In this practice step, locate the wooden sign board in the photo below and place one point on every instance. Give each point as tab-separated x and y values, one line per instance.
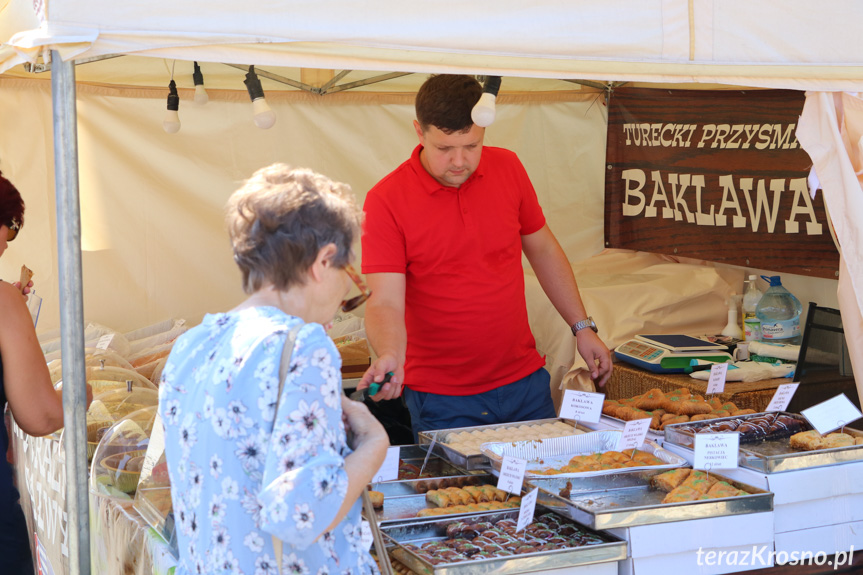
714	175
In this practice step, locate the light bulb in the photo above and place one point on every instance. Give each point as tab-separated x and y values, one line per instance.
201	96
483	112
264	115
171	123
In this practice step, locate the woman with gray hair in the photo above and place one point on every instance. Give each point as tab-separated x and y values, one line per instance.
255	419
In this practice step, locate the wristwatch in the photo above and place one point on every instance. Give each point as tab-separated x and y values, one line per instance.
580	325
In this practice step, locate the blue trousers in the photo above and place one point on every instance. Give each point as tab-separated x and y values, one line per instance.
525	399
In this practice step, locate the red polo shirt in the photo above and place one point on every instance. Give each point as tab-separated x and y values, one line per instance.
460	250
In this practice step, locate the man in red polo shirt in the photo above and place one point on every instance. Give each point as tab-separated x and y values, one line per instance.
442	244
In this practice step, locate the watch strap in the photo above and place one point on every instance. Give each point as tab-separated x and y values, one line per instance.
585	323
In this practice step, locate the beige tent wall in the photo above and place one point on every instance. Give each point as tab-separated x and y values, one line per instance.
153	239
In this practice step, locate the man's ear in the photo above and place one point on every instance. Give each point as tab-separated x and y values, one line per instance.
419	131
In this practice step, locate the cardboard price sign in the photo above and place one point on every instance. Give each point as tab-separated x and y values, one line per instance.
832	414
716	383
782	397
634	433
716	450
511	475
389	470
582	405
368	538
527	510
105	341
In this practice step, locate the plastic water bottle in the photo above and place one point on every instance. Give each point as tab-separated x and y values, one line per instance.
779	312
751	324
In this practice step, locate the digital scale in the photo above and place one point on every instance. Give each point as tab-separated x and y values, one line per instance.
670	353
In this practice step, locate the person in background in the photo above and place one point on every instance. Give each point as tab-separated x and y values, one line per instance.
25	386
246	463
442	245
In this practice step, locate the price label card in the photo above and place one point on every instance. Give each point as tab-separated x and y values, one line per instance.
527	509
368	538
716	450
582	405
633	434
105	341
155	449
390	468
832	414
782	397
511	475
716	383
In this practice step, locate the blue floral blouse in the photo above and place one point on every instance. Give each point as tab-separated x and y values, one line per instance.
242	472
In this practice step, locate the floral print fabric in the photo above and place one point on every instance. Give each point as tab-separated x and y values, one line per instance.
245	467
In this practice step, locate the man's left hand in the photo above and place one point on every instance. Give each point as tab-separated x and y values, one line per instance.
594	352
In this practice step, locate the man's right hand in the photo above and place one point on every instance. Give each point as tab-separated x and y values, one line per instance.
376	373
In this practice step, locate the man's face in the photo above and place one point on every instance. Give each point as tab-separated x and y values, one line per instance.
450	158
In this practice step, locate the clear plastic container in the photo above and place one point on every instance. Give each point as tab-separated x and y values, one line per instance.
119	457
779	312
751	324
109	406
153	497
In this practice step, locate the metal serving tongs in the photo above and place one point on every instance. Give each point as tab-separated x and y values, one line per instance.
380	547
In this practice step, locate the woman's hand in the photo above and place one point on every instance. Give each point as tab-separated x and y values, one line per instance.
26	290
365	426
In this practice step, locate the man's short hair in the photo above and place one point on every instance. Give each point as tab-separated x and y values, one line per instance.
280	219
445	101
11	204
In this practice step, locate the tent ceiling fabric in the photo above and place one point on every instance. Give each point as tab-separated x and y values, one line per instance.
770	43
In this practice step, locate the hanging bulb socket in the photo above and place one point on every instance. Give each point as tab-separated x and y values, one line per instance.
483	112
263	115
253	85
201	96
171	123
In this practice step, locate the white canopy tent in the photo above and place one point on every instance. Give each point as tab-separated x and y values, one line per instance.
769	44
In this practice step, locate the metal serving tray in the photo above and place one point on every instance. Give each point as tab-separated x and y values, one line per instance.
435	529
683	434
442	474
557	452
776	455
478	461
405	508
628	500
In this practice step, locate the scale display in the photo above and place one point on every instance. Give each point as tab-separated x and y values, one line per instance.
669	353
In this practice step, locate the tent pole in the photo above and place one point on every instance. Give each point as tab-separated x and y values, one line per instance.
71	311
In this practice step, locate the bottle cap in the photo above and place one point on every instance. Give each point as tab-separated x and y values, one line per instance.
753	277
772	280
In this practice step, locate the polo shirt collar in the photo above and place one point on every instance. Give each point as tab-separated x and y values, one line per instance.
431	185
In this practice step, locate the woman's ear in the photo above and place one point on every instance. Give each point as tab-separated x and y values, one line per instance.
323	261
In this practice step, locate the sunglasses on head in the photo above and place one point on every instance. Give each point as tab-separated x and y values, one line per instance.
14	227
356	301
